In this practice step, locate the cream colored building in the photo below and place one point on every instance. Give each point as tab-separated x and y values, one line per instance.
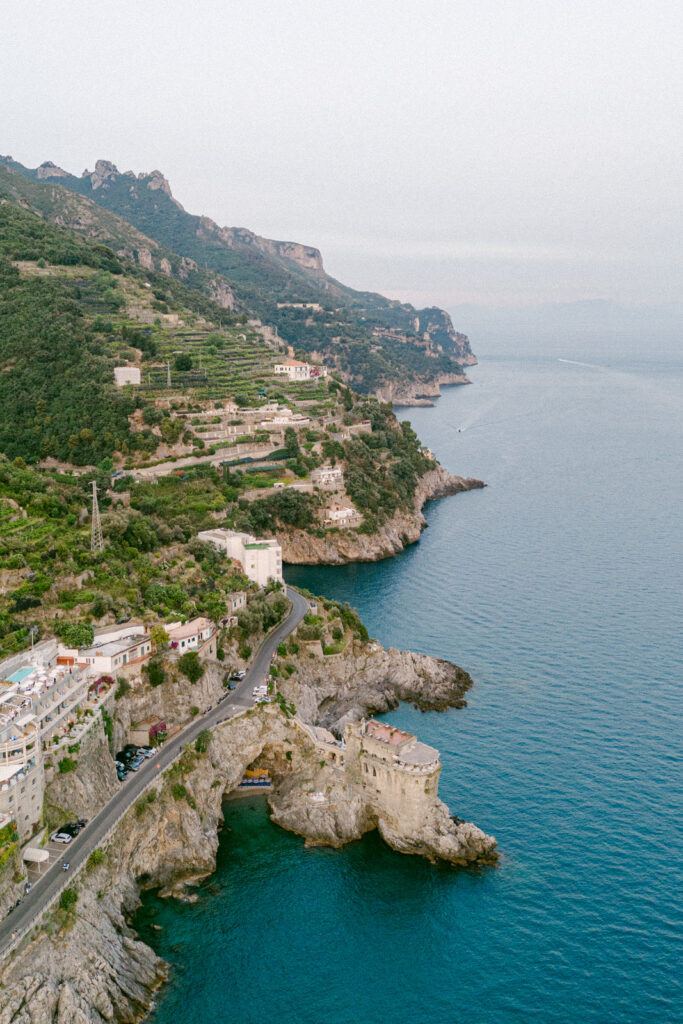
261	560
399	774
198	634
294	369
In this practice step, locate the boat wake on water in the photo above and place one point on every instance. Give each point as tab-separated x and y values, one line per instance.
576	362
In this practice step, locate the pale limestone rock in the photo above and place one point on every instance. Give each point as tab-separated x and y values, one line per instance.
221	293
50	170
145	259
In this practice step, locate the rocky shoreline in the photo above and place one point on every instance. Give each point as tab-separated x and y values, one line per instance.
342	546
92	968
422	393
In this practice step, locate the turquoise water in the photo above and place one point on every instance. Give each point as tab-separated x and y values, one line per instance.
558	588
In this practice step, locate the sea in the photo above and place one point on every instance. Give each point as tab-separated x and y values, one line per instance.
558	587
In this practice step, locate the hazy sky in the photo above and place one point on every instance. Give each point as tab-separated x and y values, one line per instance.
496	151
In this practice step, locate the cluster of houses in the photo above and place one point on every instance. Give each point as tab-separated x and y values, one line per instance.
41	692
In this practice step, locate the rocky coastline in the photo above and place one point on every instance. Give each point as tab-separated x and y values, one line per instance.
339	547
91	967
418	393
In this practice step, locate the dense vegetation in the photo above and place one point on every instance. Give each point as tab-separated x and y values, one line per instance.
56	387
153	566
351	328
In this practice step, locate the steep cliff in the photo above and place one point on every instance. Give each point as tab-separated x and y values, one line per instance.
405	527
83	792
86	965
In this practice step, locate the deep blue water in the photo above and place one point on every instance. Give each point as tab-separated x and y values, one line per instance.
558	587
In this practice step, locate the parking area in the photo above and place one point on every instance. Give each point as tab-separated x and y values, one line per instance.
55	851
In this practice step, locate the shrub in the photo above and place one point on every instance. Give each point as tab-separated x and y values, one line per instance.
245	652
155	672
178	791
194	710
190	665
282	650
107	723
122	689
67	765
68	899
201	744
96	858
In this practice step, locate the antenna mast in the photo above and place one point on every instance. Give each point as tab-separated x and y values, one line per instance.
96	538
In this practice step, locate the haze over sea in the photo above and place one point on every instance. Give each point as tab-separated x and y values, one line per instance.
558	587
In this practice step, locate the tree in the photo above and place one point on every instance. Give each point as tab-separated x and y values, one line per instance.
183	362
68	900
291	443
159	638
214	608
155	672
201	744
76	634
190	665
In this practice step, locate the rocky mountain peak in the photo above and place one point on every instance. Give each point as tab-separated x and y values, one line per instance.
105	170
158	181
50	170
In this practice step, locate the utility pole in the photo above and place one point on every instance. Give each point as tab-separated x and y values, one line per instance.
168	374
96	538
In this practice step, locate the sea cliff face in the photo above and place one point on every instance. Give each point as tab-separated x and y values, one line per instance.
90	967
341	546
421	392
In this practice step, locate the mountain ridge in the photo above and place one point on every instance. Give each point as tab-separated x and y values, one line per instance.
374	342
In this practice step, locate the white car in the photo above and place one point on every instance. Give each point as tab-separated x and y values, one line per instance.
61	837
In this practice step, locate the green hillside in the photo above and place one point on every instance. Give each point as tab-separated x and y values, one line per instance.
370	339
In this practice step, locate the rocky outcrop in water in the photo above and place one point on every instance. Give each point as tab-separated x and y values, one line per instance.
367	679
420	392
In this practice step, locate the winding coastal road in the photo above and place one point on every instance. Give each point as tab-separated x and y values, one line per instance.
76	853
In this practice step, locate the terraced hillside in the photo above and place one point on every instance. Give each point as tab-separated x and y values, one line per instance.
375	342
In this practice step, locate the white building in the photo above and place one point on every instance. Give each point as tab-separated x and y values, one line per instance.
342	516
109	652
196	635
296	370
261	560
126	375
329	478
36	702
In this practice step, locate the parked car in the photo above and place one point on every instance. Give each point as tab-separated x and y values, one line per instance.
146	751
61	837
122	774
